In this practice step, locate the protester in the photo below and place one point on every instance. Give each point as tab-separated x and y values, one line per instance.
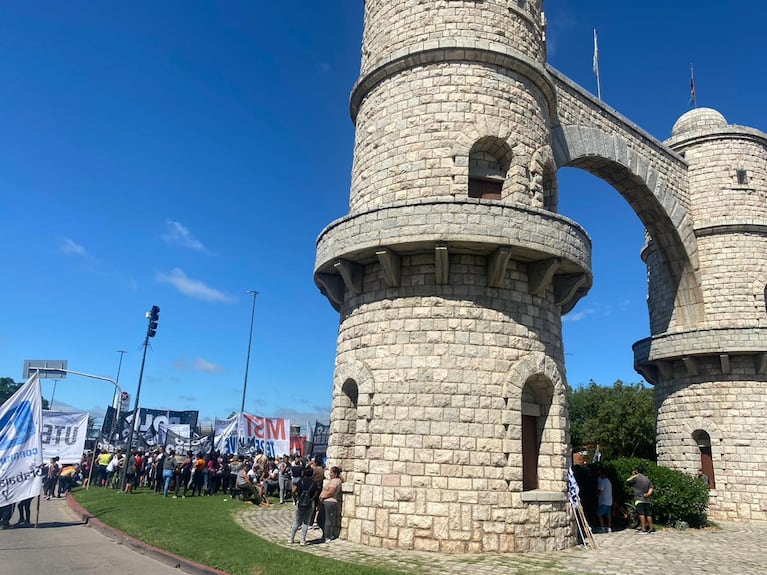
51	478
329	498
643	490
245	485
318	476
284	471
102	462
605	504
67	479
24	507
168	466
304	492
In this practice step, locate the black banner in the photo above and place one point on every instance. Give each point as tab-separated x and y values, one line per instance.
151	428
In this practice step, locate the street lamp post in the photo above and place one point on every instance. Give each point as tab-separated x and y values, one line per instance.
254	293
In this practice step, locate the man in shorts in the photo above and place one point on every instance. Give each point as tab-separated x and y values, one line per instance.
643	490
605	504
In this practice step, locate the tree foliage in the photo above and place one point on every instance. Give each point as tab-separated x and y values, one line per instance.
621	419
8	387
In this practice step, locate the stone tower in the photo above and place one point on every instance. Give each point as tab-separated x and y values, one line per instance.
711	378
451	273
452	270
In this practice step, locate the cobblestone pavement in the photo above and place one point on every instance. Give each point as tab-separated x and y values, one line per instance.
732	549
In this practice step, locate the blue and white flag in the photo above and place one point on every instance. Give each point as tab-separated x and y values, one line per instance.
572	488
21	454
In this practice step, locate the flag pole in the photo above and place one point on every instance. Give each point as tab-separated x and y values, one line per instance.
596	66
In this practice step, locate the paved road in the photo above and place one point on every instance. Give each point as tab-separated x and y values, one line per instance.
63	544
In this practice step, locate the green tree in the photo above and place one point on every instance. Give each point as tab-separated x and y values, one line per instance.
621	419
8	387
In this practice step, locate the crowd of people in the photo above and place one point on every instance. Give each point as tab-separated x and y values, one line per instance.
296	480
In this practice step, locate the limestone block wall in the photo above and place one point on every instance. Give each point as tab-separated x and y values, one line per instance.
716	195
732	410
393	28
432	447
411	140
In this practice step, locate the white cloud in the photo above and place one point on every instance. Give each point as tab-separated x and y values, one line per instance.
71	248
176	234
578	316
198	364
191	287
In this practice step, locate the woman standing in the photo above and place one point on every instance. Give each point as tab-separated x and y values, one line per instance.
329	498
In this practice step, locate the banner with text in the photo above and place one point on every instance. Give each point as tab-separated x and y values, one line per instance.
149	430
253	432
63	435
21	456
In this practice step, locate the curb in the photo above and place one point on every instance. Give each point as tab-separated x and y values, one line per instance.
177	562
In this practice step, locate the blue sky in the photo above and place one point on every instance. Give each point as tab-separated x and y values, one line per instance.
181	153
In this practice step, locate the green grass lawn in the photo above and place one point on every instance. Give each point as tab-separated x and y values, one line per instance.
203	529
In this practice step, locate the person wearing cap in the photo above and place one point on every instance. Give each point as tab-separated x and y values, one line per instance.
643	490
168	465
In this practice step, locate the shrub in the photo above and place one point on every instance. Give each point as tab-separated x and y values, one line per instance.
678	498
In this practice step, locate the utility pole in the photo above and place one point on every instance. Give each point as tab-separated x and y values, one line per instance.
154	317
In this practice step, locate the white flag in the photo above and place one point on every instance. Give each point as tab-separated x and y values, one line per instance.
596	54
572	488
21	454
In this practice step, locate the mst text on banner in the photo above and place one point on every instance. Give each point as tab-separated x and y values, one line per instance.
253	432
63	435
21	456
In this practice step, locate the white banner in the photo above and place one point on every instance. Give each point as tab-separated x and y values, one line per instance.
223	429
63	435
271	435
21	456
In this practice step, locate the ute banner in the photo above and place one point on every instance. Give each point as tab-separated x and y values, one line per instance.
63	435
21	456
253	432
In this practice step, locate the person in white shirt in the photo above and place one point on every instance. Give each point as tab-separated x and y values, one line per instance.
605	490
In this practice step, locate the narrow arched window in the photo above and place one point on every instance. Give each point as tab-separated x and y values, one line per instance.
345	424
706	470
537	396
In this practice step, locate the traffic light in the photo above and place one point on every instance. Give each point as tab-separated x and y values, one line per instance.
154	317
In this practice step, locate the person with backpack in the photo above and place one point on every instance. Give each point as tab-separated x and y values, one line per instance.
305	491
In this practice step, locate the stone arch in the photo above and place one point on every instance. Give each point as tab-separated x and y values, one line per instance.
543	179
632	173
691	457
489	161
484	131
529	377
350	412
